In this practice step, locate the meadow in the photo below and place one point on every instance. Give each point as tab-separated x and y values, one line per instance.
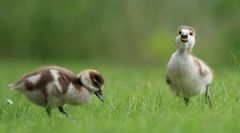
129	42
137	100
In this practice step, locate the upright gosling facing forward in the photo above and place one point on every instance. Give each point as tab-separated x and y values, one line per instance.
187	75
54	86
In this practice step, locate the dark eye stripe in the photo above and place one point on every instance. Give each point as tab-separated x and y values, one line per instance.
96	78
96	84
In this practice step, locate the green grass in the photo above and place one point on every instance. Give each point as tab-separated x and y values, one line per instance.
137	100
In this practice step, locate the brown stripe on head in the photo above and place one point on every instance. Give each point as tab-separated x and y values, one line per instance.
186	27
97	79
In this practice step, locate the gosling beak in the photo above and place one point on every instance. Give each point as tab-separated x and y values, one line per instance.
99	94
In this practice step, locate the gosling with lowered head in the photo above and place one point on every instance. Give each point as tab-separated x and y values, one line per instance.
55	86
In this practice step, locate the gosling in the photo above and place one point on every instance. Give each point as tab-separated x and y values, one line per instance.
187	75
54	86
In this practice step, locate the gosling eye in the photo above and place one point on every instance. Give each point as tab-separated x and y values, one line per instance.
96	84
180	32
190	33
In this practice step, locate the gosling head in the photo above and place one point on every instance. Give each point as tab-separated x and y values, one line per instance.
93	81
185	38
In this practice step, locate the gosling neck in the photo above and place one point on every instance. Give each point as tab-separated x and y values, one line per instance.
187	51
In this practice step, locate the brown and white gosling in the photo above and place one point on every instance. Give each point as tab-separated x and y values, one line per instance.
54	87
187	75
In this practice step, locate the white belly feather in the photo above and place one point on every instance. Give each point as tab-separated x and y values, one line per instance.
184	76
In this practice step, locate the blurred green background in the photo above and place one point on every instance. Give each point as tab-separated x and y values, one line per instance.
117	31
129	42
